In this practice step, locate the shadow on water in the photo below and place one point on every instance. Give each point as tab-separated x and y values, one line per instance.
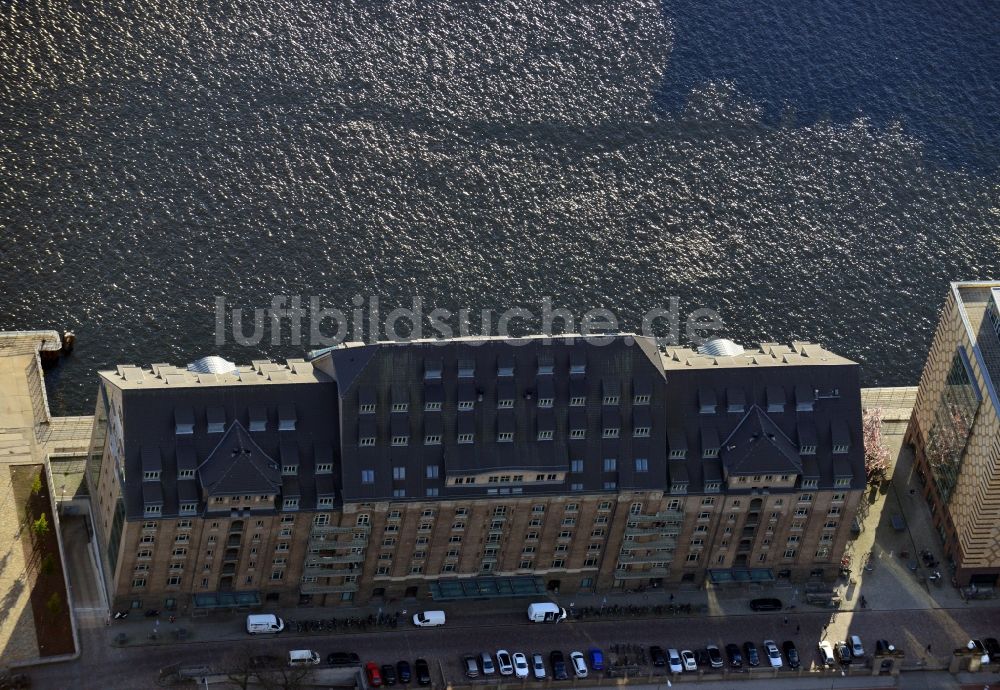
930	64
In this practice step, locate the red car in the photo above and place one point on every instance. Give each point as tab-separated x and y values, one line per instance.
374	675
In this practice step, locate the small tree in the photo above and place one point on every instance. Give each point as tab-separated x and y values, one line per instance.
48	565
876	453
36	486
41	525
54	604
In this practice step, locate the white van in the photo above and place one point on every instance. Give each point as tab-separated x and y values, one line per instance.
303	657
546	612
428	619
264	623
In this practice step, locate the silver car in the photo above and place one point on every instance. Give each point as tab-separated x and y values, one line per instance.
538	666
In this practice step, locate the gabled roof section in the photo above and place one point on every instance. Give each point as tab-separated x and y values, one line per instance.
345	363
239	466
758	446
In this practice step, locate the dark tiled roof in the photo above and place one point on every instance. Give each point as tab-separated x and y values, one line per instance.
758	446
238	466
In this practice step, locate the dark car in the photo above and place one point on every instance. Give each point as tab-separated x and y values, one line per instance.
657	656
558	662
701	657
423	672
388	674
267	661
884	647
735	658
471	666
343	659
843	653
714	656
753	657
596	659
992	648
791	653
403	671
765	604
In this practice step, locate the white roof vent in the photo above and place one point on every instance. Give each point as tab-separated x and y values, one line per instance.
720	347
212	365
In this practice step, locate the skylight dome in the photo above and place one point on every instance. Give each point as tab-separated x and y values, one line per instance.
720	347
212	364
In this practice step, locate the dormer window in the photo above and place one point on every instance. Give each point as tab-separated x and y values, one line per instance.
184	422
505	436
400	407
151	510
432	440
577	401
545	365
290	470
775	399
290	504
465	405
432	369
185	474
611	400
640	431
545	435
807	450
611	433
577	364
505	403
366	408
735	400
706	401
401	440
324	468
678	454
641	399
839	449
366	441
466	368
286	418
258	419
805	398
505	367
432	407
545	402
152	476
710	453
216	420
324	502
188	508
466	438
578	433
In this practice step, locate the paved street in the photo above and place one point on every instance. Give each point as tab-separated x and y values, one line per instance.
137	666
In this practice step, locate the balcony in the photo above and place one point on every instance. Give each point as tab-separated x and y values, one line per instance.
665	543
316	588
662	557
341	558
330	544
319	530
234	540
319	571
666	530
662	516
641	574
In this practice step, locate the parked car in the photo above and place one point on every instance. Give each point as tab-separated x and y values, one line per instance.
753	656
558	662
674	659
486	664
504	663
538	667
687	658
992	648
884	647
374	676
979	648
714	656
843	653
735	658
596	659
826	653
791	653
388	674
766	604
520	665
403	671
428	619
773	653
656	656
343	659
470	666
423	671
579	664
701	658
857	649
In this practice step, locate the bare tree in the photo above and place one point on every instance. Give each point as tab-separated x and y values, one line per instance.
876	453
285	678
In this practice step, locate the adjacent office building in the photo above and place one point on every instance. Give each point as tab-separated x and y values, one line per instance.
474	467
955	431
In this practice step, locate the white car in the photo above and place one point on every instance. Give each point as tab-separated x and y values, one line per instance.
857	650
674	660
687	658
538	666
520	665
773	653
826	653
504	664
579	664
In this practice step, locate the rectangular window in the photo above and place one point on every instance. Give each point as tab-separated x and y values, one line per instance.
138	582
465	405
610	464
432	440
545	435
465	438
366	441
400	407
324	502
576	487
367	476
399	473
611	432
367	408
400	440
290	504
640	431
640	400
432	407
578	401
545	402
642	465
505	436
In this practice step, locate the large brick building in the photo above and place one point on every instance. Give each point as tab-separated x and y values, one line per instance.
474	467
955	431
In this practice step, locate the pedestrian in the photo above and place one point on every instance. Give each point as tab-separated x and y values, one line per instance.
928	649
798	629
786	620
671	597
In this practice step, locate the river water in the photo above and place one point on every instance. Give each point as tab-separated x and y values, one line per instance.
810	170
